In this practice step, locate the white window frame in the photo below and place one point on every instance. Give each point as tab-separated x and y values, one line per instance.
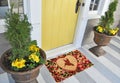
102	7
93	4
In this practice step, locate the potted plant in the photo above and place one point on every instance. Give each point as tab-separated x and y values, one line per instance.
25	58
104	31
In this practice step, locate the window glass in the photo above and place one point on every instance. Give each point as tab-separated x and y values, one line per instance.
94	5
5	4
3	8
18	6
91	5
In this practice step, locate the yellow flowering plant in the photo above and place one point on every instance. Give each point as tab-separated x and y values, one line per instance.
110	32
32	60
107	20
24	53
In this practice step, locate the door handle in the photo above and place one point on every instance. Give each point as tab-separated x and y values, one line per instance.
77	6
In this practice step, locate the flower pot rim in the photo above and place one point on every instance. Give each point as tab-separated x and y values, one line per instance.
103	34
94	29
20	72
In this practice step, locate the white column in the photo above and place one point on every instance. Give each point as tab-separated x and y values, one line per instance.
33	11
82	22
103	6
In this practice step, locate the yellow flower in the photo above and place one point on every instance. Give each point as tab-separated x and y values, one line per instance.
31	48
116	30
19	63
112	31
34	57
34	48
100	29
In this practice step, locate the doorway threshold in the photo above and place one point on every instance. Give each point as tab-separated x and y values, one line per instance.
61	50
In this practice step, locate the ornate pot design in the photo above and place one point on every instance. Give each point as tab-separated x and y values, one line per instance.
100	40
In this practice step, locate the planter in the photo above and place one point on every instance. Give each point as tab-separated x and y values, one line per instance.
100	40
22	77
105	27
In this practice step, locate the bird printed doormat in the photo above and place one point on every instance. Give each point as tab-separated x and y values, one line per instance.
67	65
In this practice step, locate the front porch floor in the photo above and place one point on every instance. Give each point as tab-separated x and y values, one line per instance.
106	69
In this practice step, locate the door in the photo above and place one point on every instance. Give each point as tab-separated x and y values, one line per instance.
58	23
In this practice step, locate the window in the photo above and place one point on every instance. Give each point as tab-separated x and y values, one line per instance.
3	8
5	4
94	5
18	6
97	8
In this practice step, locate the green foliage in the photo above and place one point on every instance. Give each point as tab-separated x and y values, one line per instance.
24	54
107	20
18	33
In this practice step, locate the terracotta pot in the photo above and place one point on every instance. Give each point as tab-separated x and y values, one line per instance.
23	77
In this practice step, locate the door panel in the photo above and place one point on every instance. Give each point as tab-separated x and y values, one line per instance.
58	23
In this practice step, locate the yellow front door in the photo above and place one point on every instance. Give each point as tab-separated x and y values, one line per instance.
58	23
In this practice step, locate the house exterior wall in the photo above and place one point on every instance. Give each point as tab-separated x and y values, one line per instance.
2	26
119	28
88	36
117	17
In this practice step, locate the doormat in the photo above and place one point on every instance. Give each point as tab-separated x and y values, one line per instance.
67	65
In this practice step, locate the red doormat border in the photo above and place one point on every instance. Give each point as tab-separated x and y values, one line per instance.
67	65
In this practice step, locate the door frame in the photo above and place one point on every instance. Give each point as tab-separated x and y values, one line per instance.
79	32
35	17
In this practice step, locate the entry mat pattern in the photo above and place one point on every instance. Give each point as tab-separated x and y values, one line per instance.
67	65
